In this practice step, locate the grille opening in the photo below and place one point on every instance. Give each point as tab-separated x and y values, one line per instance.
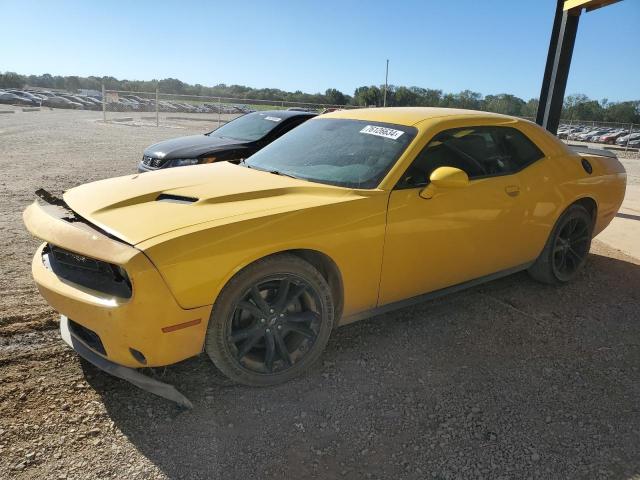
167	197
89	337
88	272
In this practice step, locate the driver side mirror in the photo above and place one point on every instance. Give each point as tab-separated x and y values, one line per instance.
444	177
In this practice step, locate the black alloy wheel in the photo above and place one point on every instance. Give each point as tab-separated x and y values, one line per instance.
271	321
571	247
275	324
566	249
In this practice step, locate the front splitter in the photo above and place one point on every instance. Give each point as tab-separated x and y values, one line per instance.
131	375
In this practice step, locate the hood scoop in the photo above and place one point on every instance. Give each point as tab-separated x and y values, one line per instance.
167	197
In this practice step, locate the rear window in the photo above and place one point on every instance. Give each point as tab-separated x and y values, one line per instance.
250	127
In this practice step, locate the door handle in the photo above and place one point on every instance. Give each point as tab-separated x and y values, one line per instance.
512	190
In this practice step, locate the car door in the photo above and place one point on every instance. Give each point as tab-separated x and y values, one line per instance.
458	234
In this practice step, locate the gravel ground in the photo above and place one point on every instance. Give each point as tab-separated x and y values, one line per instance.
509	380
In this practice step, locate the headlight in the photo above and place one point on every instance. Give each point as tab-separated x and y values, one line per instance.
183	162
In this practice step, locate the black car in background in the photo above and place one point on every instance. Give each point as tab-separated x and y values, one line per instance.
234	141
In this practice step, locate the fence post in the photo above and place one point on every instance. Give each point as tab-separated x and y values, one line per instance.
219	110
104	105
157	110
626	147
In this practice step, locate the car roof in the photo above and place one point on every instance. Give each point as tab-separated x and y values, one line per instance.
406	115
286	113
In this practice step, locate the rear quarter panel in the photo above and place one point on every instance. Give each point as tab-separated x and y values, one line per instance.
554	183
608	182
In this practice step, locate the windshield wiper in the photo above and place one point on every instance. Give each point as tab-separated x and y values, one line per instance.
284	174
244	163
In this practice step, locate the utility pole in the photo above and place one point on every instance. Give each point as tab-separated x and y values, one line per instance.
104	105
386	81
157	108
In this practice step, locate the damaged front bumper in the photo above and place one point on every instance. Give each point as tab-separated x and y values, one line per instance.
143	327
131	375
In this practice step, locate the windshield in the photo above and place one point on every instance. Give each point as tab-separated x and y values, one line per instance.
249	128
347	153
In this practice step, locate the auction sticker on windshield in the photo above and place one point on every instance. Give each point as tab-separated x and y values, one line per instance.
382	132
273	119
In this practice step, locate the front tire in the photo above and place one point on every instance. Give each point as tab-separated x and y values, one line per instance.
271	322
566	249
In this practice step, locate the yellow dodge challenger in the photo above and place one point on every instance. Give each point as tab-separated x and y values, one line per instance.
351	214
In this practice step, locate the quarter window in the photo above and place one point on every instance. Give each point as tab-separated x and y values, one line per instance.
478	151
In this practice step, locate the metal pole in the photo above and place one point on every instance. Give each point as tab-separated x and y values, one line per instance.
386	83
157	110
557	72
219	110
104	105
553	45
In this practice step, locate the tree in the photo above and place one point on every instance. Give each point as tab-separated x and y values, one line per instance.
431	97
334	97
504	103
577	107
71	83
172	85
580	107
468	99
626	112
404	96
530	109
11	80
367	96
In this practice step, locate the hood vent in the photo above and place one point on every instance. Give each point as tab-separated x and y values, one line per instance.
166	197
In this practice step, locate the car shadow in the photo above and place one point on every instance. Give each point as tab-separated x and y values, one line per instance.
512	378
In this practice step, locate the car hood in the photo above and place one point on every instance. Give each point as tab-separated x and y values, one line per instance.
136	208
191	146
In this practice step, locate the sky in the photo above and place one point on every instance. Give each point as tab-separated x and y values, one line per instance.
488	46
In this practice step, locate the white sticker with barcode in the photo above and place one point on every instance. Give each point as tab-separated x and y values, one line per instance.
385	132
273	119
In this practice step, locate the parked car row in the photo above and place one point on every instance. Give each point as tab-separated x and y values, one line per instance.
119	103
606	135
129	103
44	98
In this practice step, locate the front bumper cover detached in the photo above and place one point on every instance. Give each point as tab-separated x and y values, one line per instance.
129	374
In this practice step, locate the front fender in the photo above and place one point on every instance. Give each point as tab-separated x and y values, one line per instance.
196	265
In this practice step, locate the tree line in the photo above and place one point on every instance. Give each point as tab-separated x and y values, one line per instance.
577	107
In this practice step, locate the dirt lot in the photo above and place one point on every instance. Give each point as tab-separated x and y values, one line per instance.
509	380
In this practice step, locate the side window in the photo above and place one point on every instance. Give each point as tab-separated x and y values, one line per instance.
520	150
290	124
478	151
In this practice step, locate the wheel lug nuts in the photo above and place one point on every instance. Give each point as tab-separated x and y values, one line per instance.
271	310
282	314
268	330
279	327
262	320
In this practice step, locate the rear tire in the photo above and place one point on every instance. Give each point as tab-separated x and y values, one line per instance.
566	249
271	322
